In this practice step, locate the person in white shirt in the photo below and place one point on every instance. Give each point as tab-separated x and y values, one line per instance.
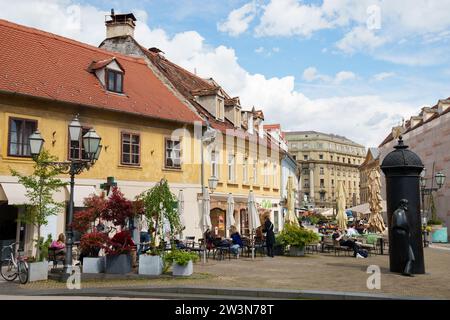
352	232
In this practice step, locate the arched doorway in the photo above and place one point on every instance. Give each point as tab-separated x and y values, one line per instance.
218	217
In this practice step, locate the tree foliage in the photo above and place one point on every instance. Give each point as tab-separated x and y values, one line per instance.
40	186
159	205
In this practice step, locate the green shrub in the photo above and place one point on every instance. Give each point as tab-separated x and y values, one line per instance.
435	221
296	236
180	257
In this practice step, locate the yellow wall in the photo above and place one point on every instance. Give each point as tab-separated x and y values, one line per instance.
54	118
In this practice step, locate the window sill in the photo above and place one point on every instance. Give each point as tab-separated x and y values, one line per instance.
232	183
125	166
17	159
172	169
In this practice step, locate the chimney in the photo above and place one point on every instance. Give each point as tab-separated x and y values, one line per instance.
120	25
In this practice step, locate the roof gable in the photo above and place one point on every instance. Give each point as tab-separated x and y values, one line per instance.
45	65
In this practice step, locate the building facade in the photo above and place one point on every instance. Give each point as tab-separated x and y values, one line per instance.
428	135
46	80
371	162
324	160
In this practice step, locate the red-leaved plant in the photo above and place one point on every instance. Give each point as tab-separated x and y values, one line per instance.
92	243
121	243
118	209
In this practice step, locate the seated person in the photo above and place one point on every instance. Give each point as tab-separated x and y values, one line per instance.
209	239
351	232
59	245
339	236
237	241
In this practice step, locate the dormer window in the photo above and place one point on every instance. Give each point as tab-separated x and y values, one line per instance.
110	73
114	81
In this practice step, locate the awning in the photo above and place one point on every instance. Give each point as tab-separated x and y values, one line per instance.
80	193
14	193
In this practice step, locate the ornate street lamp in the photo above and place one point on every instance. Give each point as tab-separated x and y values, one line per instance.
36	143
212	183
440	179
91	143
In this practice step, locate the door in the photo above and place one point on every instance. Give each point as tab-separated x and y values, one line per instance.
218	222
8	225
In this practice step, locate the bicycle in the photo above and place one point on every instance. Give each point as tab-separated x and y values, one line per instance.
13	267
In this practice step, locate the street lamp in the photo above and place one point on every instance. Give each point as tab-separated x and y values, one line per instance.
439	178
92	146
212	183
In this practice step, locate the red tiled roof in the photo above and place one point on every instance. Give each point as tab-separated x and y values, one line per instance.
45	65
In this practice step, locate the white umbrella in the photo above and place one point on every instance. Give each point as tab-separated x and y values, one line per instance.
253	217
341	216
206	221
230	211
181	207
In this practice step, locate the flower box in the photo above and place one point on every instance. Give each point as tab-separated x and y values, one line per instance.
150	265
38	271
295	251
184	271
94	265
118	264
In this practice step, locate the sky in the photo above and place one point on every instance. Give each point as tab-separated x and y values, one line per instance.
349	67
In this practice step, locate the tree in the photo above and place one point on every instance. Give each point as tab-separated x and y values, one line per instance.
159	204
40	186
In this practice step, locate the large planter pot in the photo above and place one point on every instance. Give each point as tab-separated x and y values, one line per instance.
185	271
37	271
94	265
278	250
150	265
118	264
296	251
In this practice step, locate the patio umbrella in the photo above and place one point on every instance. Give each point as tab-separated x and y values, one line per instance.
375	202
290	215
341	216
206	218
230	211
181	208
253	217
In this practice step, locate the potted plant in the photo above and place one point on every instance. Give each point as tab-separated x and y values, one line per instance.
118	253
279	247
296	238
181	262
40	186
159	207
91	244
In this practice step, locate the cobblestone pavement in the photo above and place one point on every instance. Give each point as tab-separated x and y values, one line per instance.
321	272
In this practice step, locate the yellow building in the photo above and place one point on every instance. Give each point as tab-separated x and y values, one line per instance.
45	80
151	128
243	157
326	159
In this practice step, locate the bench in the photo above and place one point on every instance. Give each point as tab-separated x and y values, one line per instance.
55	256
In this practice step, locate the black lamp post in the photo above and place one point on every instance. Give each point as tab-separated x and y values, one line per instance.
92	147
439	178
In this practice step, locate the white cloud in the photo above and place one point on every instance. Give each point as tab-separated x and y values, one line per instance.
277	96
289	17
311	74
383	76
360	39
238	20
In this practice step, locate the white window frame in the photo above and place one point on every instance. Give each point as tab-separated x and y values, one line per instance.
255	171
215	164
245	171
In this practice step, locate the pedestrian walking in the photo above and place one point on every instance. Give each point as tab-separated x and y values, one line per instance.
270	236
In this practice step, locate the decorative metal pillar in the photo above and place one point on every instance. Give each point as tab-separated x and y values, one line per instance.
402	169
